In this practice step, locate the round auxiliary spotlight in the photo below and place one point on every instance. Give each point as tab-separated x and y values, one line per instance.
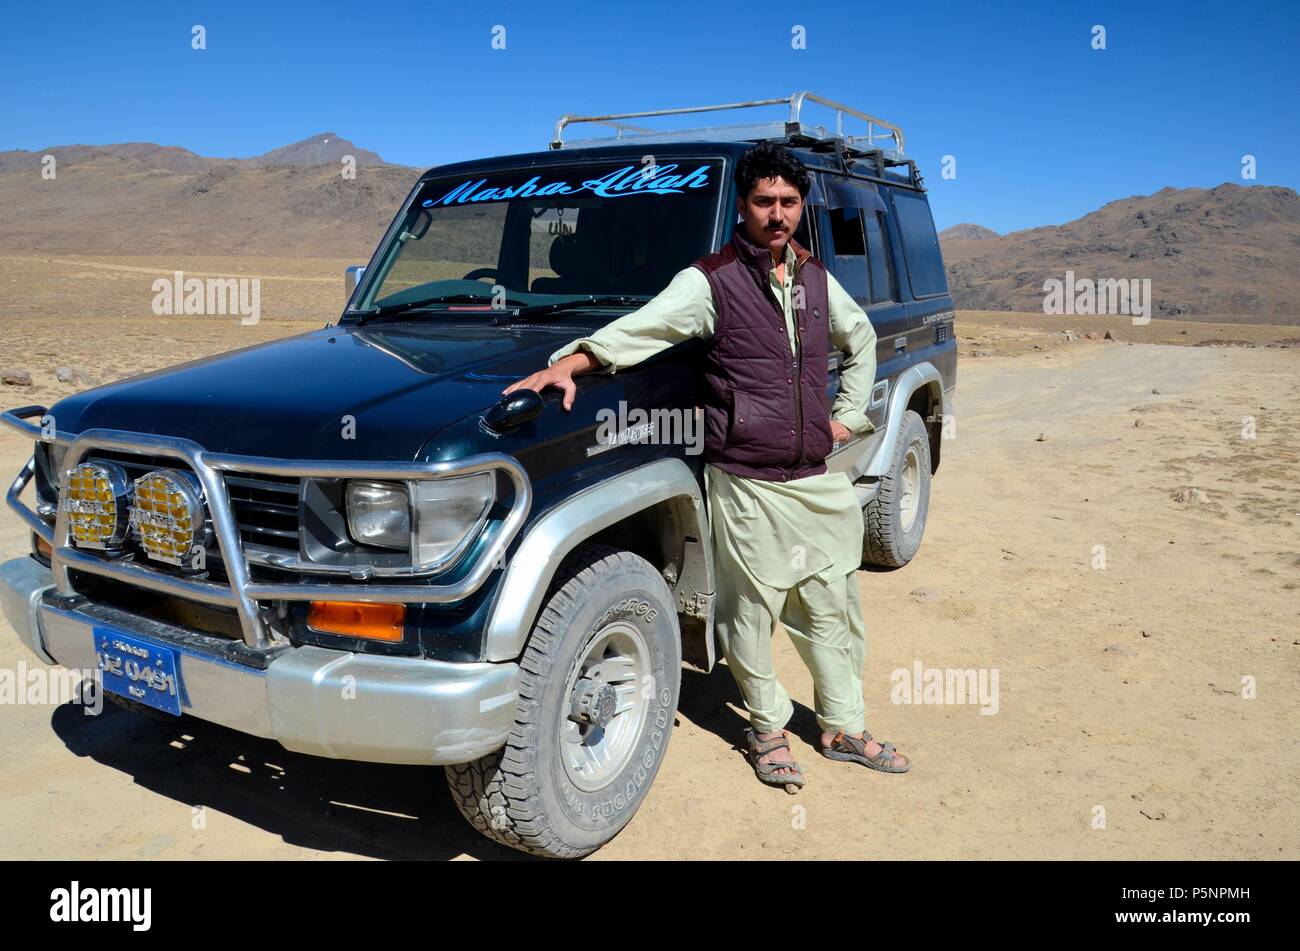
167	512
96	498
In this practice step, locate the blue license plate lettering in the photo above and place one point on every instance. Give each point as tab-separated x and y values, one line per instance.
138	670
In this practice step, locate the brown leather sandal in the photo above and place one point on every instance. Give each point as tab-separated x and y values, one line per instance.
755	749
851	749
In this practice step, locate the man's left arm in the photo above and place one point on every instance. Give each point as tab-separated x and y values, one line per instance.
851	331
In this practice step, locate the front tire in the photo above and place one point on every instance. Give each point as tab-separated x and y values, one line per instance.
598	692
894	520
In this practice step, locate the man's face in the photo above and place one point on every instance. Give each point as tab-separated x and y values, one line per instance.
771	211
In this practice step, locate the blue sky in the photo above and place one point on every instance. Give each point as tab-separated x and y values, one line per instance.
1044	128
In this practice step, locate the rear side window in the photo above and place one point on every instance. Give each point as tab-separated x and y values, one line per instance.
920	244
883	288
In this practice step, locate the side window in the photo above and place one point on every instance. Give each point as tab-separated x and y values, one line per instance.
920	244
883	287
849	261
803	233
862	260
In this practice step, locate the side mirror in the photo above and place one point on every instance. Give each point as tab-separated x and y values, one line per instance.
352	277
521	406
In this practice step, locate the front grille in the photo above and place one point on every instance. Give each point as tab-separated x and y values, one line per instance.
266	509
265	506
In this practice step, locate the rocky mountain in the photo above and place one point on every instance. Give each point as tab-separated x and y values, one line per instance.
1230	252
141	198
967	232
324	149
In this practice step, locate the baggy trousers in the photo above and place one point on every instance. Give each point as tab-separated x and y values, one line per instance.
823	620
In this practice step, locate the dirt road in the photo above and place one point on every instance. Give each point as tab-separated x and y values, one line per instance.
1122	627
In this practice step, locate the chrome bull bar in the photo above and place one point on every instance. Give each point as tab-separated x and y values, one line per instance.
242	593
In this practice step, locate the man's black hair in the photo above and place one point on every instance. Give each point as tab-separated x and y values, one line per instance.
769	160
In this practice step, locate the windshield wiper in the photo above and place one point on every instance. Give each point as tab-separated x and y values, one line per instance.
387	310
541	310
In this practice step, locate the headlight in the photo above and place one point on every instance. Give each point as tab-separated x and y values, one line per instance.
431	518
379	513
95	496
449	512
54	454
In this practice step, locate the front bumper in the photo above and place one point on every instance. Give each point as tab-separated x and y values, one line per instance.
313	700
240	592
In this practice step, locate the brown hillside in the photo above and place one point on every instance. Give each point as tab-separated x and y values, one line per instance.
967	232
1231	252
141	198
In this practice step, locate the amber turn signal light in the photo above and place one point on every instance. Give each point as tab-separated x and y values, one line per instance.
42	547
376	622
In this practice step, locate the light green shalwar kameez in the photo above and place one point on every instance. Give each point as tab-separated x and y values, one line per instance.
785	550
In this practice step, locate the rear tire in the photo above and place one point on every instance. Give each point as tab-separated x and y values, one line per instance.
894	520
598	692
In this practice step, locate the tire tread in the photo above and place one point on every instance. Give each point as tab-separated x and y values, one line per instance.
493	793
880	542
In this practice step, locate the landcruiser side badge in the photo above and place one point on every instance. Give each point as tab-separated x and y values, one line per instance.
521	406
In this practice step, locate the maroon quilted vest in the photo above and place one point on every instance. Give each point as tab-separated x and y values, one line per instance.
766	415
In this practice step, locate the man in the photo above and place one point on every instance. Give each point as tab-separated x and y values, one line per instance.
787	534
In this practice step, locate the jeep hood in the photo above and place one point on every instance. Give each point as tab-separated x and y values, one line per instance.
399	383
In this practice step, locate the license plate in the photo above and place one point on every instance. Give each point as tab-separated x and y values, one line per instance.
138	670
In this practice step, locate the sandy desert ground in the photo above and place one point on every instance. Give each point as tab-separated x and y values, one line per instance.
1119	687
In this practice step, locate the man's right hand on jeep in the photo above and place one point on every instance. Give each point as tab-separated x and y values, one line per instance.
560	375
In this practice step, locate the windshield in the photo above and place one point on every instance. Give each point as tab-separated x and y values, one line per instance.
535	236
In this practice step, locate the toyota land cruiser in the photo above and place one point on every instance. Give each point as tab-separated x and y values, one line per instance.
348	541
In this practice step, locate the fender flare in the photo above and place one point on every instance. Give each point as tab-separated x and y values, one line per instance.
552	536
908	382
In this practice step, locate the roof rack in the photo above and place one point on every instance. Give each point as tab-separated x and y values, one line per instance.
795	127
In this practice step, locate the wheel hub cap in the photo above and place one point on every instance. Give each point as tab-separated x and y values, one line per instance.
594	702
607	706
